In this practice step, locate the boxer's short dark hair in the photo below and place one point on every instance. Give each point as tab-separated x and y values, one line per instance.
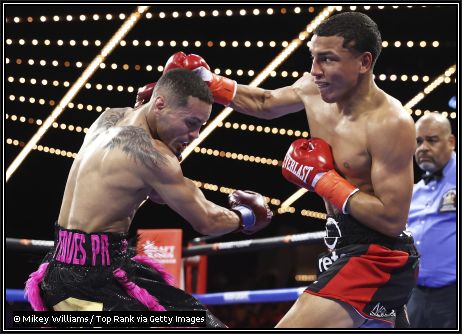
181	83
359	31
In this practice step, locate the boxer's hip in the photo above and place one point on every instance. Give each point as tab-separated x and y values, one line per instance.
344	230
78	248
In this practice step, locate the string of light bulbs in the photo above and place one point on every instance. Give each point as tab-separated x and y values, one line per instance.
38	121
295	74
185	43
185	14
201	150
90	107
427	90
149	68
238	156
159	15
227	125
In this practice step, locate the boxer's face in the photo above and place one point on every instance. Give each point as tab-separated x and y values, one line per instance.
335	69
434	146
177	127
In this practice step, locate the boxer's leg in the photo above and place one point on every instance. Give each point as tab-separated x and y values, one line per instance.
310	311
74	304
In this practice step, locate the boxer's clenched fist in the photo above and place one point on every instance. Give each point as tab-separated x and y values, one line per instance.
252	209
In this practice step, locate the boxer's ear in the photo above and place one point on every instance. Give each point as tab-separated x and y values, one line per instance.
159	103
366	62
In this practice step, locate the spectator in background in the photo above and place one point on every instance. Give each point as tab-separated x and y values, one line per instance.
432	221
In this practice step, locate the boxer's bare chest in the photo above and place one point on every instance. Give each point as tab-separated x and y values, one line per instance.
347	137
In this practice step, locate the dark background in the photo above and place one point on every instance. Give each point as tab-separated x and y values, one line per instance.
33	194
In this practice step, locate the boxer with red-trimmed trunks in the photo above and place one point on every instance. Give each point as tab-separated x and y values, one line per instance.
359	160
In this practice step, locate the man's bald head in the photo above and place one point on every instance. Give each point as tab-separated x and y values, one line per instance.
437	119
435	142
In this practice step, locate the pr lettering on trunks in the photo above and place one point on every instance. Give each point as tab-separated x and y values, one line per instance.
71	248
99	245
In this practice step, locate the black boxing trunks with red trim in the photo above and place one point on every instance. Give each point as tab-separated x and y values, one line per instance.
99	269
375	279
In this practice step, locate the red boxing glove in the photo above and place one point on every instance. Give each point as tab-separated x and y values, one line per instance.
222	88
192	61
309	164
181	60
144	94
175	61
252	209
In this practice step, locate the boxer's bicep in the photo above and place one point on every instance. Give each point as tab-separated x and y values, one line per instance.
393	187
185	198
392	169
181	195
267	104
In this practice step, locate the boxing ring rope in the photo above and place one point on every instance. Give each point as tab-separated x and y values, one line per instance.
220	298
42	246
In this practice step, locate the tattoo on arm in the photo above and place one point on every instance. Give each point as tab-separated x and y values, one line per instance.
136	143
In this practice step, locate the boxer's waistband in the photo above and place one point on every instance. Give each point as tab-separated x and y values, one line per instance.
344	230
76	247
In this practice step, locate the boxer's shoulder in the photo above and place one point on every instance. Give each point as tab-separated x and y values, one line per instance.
135	144
305	86
110	117
385	114
388	107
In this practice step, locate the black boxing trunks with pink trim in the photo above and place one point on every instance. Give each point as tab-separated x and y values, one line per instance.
99	269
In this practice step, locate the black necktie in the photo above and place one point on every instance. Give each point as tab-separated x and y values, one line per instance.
427	177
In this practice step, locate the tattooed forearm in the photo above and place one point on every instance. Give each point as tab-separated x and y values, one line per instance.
137	144
110	117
